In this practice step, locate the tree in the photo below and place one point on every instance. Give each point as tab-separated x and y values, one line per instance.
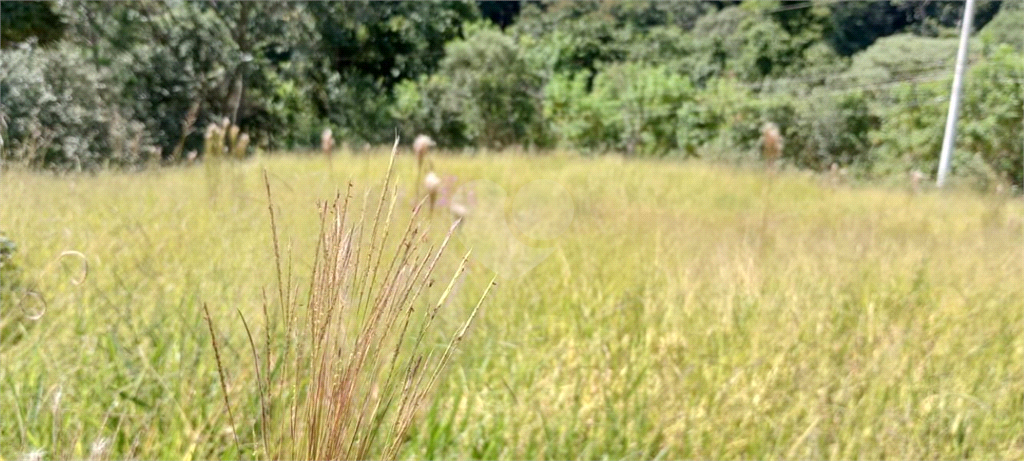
856	25
635	108
364	49
488	83
1005	27
993	113
181	65
56	112
22	21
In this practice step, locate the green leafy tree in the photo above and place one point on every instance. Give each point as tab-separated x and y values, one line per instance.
364	49
632	108
901	57
833	128
1005	27
756	41
24	21
57	113
181	65
910	135
576	119
488	84
992	120
568	37
420	107
855	26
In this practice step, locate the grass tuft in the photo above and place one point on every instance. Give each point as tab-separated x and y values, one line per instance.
344	375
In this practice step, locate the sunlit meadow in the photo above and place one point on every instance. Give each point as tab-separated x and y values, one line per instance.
685	311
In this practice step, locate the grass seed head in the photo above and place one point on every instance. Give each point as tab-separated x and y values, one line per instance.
99	449
771	142
327	141
34	455
432	182
421	145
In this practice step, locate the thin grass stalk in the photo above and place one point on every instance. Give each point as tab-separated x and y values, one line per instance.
429	318
366	337
393	450
359	277
277	249
287	309
223	380
259	380
419	287
376	220
377	311
407	306
350	389
266	343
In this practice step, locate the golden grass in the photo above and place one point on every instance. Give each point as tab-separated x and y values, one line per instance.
675	318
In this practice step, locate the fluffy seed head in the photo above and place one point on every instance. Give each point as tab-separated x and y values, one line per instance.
431	182
422	143
458	210
327	141
771	142
100	448
34	455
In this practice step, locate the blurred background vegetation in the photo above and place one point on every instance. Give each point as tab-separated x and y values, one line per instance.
862	84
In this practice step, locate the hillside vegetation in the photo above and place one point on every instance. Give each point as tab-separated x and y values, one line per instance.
860	84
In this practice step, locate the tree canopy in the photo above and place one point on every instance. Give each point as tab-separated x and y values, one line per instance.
857	83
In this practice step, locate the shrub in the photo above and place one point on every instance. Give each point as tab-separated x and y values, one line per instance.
633	108
60	113
989	130
911	130
899	57
728	114
833	128
576	119
298	125
992	116
1005	28
485	81
419	108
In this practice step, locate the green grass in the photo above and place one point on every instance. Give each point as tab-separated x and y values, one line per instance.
689	311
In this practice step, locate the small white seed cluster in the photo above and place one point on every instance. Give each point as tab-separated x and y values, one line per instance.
421	145
771	142
437	190
327	141
431	182
916	178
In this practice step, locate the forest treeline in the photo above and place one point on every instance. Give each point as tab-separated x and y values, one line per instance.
860	84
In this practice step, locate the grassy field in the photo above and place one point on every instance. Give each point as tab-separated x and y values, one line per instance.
677	310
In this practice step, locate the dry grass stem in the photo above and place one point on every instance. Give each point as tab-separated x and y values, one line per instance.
353	367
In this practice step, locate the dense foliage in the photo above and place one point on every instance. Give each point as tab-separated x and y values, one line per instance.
859	84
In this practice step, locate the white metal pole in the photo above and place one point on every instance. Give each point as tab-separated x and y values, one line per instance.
954	98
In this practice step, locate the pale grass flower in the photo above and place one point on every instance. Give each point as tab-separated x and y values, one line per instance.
431	182
420	146
34	455
99	449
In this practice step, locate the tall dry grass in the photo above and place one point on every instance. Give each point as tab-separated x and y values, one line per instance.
870	324
342	375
